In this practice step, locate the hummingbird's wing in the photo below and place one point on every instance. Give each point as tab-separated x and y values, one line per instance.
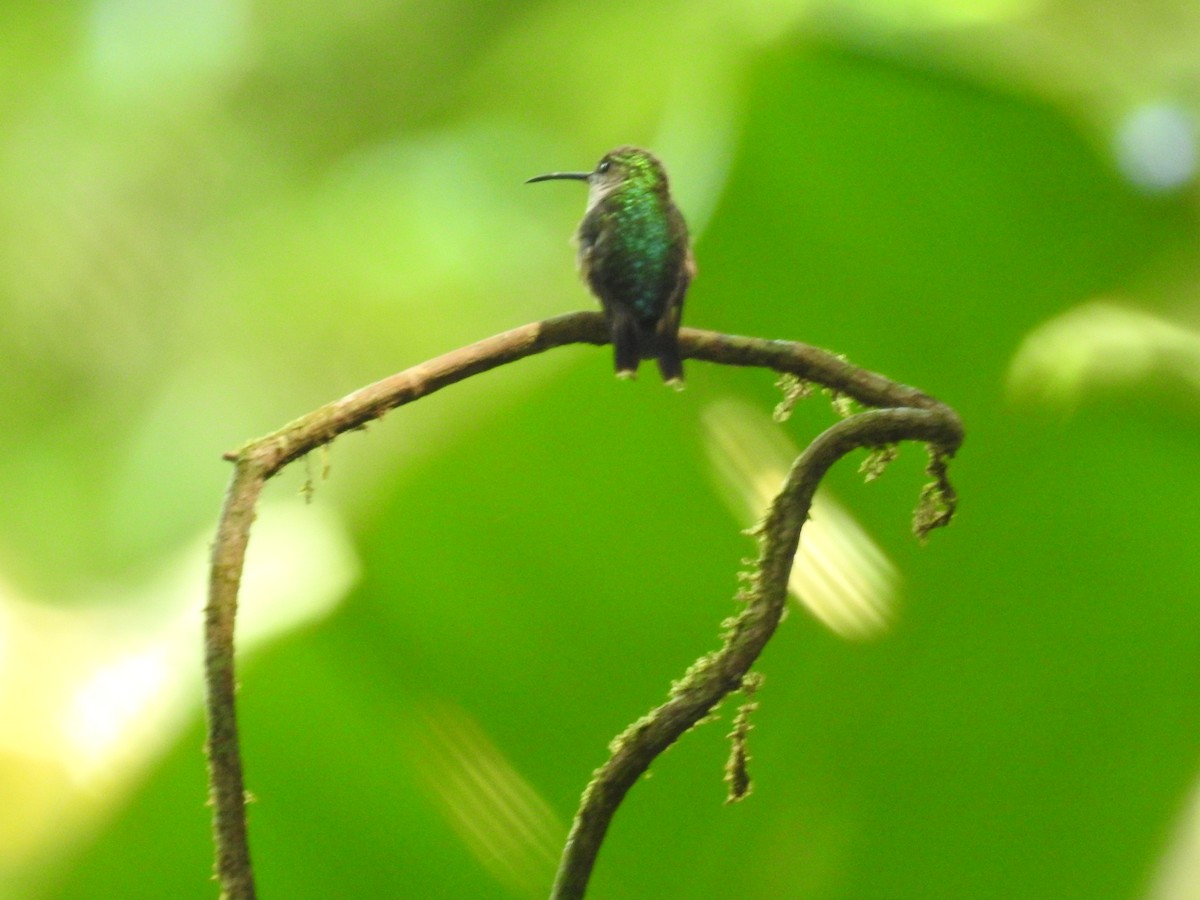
666	331
626	335
586	237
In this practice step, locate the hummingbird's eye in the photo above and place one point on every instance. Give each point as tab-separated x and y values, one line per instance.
604	166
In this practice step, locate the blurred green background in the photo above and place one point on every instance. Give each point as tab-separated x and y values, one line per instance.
216	216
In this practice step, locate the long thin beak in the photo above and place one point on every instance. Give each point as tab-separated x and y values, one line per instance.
574	176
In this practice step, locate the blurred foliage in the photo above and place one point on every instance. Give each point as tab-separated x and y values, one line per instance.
217	216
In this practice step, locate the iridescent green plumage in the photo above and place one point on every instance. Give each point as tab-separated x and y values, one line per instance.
635	256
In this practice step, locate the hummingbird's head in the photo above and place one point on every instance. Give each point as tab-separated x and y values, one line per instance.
626	168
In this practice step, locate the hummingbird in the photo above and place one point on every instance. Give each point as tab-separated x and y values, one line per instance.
635	256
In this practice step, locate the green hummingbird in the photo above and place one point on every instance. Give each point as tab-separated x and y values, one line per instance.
635	256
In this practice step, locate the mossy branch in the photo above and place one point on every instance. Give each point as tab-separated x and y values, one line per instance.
900	413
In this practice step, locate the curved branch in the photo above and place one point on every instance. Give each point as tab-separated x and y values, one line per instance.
909	415
227	794
713	677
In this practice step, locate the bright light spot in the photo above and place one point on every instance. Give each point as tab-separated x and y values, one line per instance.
92	693
299	565
923	15
1178	875
501	818
840	574
1156	147
138	45
1098	344
6	628
108	708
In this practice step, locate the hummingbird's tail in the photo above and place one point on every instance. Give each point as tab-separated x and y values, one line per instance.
632	342
627	344
666	347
